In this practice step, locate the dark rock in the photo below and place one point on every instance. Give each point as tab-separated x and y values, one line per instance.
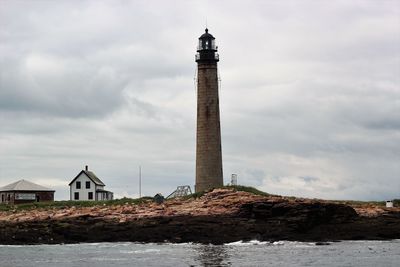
322	243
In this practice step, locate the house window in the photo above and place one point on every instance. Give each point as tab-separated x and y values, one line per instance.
76	195
88	185
78	185
90	195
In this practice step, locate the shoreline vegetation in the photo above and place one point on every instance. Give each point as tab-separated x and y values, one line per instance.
224	215
71	203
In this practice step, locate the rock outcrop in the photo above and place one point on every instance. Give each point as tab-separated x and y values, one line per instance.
218	217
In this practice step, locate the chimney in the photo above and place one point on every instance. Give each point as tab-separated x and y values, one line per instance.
86	168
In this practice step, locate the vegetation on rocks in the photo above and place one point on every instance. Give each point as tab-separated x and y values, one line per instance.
355	203
248	189
235	188
122	201
68	204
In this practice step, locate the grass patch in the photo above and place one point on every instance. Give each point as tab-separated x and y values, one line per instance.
69	203
247	189
359	203
235	188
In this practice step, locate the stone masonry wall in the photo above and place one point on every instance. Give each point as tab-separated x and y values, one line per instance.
208	149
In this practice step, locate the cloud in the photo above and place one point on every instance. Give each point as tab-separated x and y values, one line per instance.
309	94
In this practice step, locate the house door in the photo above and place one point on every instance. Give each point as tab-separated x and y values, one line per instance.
2	197
37	198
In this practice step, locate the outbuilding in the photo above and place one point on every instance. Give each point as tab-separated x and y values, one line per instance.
24	191
389	204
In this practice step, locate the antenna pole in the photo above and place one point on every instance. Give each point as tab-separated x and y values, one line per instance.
140	181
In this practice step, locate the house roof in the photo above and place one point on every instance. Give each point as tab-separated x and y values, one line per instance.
94	178
23	185
91	176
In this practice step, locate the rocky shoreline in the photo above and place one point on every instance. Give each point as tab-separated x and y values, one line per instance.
221	216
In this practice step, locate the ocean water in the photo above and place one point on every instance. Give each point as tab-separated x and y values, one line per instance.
253	253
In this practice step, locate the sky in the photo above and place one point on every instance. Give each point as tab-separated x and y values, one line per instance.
309	95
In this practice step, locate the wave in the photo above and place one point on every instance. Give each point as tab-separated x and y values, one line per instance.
269	243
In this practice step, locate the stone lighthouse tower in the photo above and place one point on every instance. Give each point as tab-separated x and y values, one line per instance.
208	139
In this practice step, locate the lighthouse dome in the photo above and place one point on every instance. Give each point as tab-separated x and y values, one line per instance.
206	35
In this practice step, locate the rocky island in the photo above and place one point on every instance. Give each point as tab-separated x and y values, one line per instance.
220	216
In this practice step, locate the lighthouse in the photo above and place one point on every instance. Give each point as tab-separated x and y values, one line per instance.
208	136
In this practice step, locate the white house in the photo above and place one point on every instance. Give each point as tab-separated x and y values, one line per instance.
87	186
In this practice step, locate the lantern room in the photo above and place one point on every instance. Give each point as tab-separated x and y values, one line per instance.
206	50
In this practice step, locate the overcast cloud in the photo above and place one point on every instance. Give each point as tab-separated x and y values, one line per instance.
310	94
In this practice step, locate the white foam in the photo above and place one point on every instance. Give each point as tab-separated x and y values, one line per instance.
247	243
13	246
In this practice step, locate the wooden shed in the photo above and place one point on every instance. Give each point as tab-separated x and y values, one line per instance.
24	191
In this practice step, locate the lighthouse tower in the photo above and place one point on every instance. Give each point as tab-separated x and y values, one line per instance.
208	139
